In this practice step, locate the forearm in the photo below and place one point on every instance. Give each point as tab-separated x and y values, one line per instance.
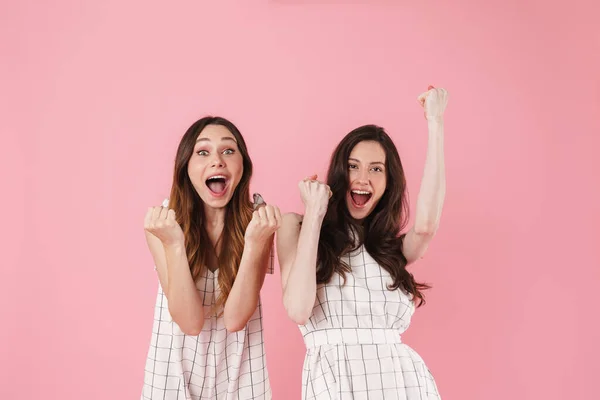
300	289
185	302
243	298
157	251
433	185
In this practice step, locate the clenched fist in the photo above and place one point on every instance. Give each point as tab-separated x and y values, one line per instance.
434	102
266	219
315	195
162	223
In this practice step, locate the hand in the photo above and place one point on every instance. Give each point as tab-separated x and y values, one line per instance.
434	103
315	195
162	223
266	219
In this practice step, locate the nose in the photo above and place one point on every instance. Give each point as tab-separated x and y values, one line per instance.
217	161
363	177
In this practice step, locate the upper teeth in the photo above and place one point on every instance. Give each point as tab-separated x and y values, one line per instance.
217	177
361	192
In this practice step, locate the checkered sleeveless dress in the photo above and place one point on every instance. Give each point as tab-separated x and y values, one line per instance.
354	350
216	364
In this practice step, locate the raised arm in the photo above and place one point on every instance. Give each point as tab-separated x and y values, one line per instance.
297	246
167	246
433	184
243	298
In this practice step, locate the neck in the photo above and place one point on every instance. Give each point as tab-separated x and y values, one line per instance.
214	224
215	218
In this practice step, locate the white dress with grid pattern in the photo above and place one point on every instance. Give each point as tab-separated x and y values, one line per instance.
353	341
216	364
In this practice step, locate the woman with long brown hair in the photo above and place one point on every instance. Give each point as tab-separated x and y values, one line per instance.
343	266
211	248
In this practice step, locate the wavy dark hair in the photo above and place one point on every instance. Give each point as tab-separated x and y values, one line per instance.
189	209
380	231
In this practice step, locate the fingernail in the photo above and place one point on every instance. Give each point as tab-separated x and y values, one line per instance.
430	87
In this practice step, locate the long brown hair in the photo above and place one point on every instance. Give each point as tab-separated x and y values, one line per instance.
380	231
189	209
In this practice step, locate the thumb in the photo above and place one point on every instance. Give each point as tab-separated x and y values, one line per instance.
421	98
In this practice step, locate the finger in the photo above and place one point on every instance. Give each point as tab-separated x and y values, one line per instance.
270	213
422	97
164	212
277	215
254	218
148	217
329	191
262	214
325	187
314	185
171	215
156	213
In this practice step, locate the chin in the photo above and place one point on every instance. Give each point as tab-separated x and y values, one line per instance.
217	203
358	214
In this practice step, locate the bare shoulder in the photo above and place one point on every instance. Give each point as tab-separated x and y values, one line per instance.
289	231
291	219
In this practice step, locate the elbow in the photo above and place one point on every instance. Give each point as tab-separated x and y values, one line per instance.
299	318
235	321
189	326
191	330
298	313
234	326
426	229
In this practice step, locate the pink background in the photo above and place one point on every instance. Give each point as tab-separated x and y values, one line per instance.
95	96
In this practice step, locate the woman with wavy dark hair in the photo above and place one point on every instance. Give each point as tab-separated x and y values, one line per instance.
343	266
211	248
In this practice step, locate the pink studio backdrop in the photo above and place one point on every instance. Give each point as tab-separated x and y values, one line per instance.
96	95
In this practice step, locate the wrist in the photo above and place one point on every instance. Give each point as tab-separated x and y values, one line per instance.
255	246
436	120
176	247
313	216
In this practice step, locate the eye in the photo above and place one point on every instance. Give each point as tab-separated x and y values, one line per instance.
352	166
377	169
228	151
202	152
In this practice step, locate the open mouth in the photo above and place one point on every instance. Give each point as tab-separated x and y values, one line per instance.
360	197
217	184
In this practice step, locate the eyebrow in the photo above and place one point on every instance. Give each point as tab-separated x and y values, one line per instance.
205	139
373	163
